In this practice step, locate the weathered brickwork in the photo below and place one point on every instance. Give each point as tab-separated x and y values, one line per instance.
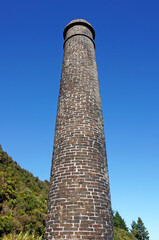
79	204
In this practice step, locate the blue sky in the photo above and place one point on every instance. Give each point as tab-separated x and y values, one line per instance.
127	52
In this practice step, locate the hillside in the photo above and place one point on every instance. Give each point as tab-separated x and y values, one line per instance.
23	198
121	234
23	201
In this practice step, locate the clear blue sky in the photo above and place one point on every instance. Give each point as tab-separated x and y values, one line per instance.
127	51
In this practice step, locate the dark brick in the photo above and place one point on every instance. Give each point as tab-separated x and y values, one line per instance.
79	204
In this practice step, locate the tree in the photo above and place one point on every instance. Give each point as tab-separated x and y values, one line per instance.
138	230
118	221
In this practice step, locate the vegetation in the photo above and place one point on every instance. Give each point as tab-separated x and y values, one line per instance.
120	228
118	221
121	234
138	230
22	236
23	199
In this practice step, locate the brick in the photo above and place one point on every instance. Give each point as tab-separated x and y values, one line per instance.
79	205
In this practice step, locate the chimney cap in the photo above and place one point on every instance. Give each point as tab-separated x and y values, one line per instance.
79	22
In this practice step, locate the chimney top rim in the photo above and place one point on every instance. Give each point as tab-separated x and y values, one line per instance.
78	22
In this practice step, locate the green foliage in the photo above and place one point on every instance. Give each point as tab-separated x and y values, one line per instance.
138	230
118	221
23	199
5	225
121	234
22	236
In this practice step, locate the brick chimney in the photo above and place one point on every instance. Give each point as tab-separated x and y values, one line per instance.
79	205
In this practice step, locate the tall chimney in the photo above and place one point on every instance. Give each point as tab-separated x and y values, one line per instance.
79	205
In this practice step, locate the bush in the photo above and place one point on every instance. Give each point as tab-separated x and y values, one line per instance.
5	226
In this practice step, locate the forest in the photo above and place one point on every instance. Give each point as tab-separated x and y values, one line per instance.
23	206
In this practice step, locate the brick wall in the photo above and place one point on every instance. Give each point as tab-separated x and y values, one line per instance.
79	204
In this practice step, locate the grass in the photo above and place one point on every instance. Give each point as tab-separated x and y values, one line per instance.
22	236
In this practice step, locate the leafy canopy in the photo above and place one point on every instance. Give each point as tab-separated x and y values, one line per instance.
138	230
118	221
23	198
